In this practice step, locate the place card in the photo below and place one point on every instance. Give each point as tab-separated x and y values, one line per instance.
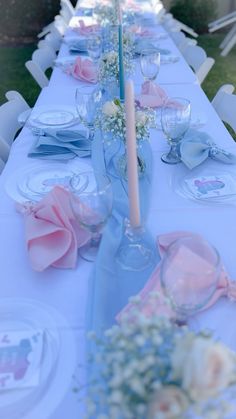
20	359
204	187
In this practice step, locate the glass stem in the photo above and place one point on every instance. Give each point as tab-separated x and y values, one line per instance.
95	239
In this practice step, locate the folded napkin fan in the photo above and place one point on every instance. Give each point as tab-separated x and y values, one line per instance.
197	146
148	306
153	96
52	234
84	70
82	29
62	144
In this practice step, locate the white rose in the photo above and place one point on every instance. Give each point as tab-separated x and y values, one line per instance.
206	369
141	117
167	403
110	108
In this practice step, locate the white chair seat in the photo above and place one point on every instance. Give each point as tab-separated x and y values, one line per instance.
224	103
197	59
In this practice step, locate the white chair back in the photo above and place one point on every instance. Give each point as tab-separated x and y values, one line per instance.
9	113
51	40
197	59
224	103
42	59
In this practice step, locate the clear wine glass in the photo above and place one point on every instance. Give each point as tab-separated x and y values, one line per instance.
175	120
94	47
189	275
92	205
150	64
86	100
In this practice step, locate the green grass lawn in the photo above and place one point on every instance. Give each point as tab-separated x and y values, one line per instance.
14	75
224	69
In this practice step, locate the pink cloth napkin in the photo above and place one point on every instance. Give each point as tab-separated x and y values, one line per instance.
153	96
226	287
52	233
84	70
141	31
82	29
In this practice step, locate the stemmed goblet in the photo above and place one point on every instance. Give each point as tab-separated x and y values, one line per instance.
92	205
94	47
87	101
189	275
150	64
175	120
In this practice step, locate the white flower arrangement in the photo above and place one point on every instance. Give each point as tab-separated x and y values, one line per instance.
112	120
109	66
150	368
106	14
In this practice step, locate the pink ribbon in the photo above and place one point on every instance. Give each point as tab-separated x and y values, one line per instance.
148	306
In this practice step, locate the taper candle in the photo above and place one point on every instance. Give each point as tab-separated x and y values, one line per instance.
121	58
132	162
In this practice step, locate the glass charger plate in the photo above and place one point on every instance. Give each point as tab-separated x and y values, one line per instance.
34	181
207	184
49	116
39	401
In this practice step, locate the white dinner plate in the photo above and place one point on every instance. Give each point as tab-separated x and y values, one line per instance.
207	184
34	181
39	401
49	116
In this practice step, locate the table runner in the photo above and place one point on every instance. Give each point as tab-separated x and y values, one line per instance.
110	286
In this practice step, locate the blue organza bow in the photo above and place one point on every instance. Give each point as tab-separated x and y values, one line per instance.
197	146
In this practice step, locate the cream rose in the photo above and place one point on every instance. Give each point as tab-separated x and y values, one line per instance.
206	367
141	117
110	108
168	403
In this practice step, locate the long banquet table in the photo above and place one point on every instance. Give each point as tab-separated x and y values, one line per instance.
67	290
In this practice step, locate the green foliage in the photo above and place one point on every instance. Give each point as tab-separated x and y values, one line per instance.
194	13
20	20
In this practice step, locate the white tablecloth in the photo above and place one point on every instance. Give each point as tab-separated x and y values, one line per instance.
66	290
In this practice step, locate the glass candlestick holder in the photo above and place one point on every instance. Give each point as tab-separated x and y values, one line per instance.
135	253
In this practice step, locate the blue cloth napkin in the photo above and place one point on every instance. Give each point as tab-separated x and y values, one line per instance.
141	44
80	46
60	144
110	286
197	146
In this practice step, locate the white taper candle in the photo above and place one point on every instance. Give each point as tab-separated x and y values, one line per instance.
132	166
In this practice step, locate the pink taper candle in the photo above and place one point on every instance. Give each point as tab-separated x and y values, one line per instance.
119	12
132	166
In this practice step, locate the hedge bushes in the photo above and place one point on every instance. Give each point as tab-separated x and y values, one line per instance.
195	13
24	19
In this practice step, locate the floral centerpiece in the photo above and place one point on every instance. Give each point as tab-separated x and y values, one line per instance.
109	66
112	120
106	14
149	368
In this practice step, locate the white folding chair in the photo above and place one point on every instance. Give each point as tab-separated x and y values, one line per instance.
197	59
51	40
42	60
67	10
9	124
222	22
181	40
224	103
58	27
171	23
